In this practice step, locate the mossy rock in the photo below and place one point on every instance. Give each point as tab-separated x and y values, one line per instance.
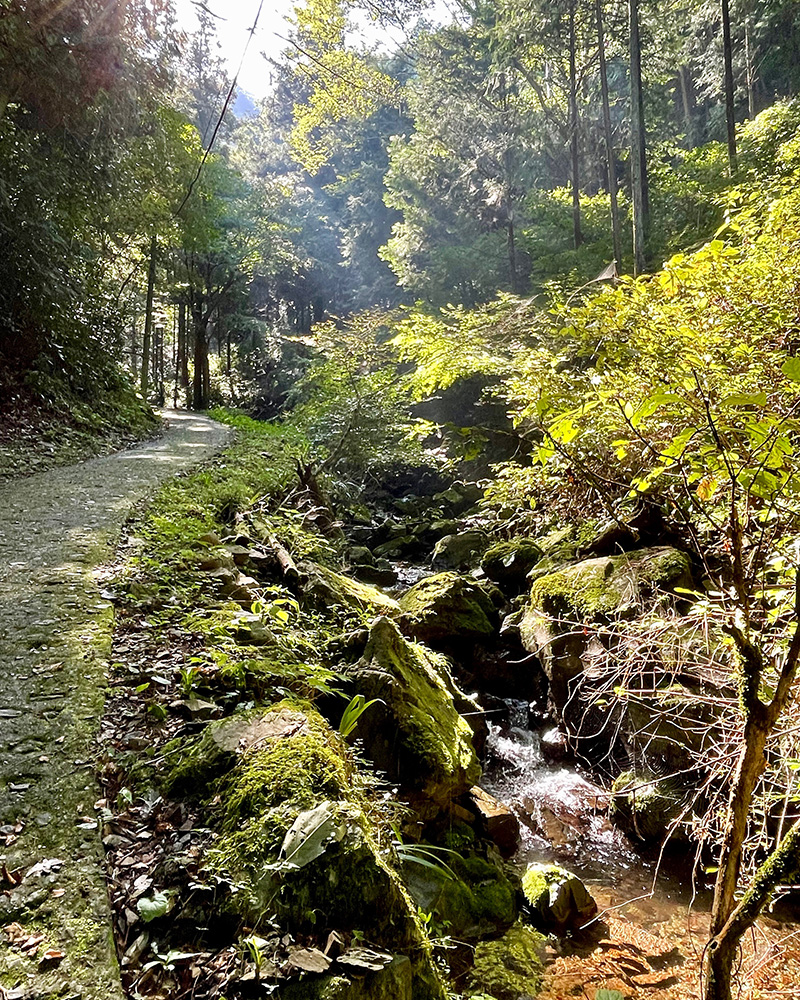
591	591
414	732
448	607
459	550
645	807
324	588
557	900
471	899
509	968
294	836
508	563
224	744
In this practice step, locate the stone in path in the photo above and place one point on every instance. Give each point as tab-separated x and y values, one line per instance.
56	527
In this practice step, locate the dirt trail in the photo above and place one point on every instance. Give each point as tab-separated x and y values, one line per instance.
56	529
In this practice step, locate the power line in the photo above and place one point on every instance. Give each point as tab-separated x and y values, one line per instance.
222	113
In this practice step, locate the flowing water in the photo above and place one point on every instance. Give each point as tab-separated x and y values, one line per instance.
650	913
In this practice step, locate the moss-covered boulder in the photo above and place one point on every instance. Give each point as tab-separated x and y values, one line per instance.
460	550
592	591
557	901
469	897
324	588
448	607
509	967
508	563
414	732
648	808
294	840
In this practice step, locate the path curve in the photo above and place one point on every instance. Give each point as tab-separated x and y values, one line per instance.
56	529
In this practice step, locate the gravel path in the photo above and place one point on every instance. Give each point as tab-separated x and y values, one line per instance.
56	529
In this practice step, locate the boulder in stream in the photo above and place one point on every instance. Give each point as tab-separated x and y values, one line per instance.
648	808
508	563
323	587
460	551
592	591
510	967
557	900
448	607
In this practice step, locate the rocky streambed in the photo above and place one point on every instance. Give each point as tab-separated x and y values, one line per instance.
376	775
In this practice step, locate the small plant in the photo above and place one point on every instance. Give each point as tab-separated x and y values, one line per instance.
355	709
189	677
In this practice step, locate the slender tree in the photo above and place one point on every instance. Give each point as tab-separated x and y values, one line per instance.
639	191
611	165
730	118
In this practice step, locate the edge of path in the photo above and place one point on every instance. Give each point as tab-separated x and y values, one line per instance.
57	528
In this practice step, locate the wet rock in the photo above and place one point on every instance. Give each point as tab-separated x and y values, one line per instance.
415	732
379	576
448	606
594	590
648	808
557	901
396	547
459	551
555	745
568	811
508	563
360	555
509	968
497	821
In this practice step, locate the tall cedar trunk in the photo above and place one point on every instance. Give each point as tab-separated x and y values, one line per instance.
639	192
689	105
730	119
751	71
200	375
183	363
573	131
608	136
148	319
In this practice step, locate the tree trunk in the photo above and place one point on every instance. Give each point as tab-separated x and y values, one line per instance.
641	208
611	164
689	105
148	319
200	375
751	71
730	118
573	131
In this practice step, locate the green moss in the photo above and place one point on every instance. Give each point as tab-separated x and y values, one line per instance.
448	606
475	899
646	806
508	563
609	583
415	732
509	967
329	588
584	588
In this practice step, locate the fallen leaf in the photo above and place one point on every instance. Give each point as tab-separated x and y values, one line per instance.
365	958
309	960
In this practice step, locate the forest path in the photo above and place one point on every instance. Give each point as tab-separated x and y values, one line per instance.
56	529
